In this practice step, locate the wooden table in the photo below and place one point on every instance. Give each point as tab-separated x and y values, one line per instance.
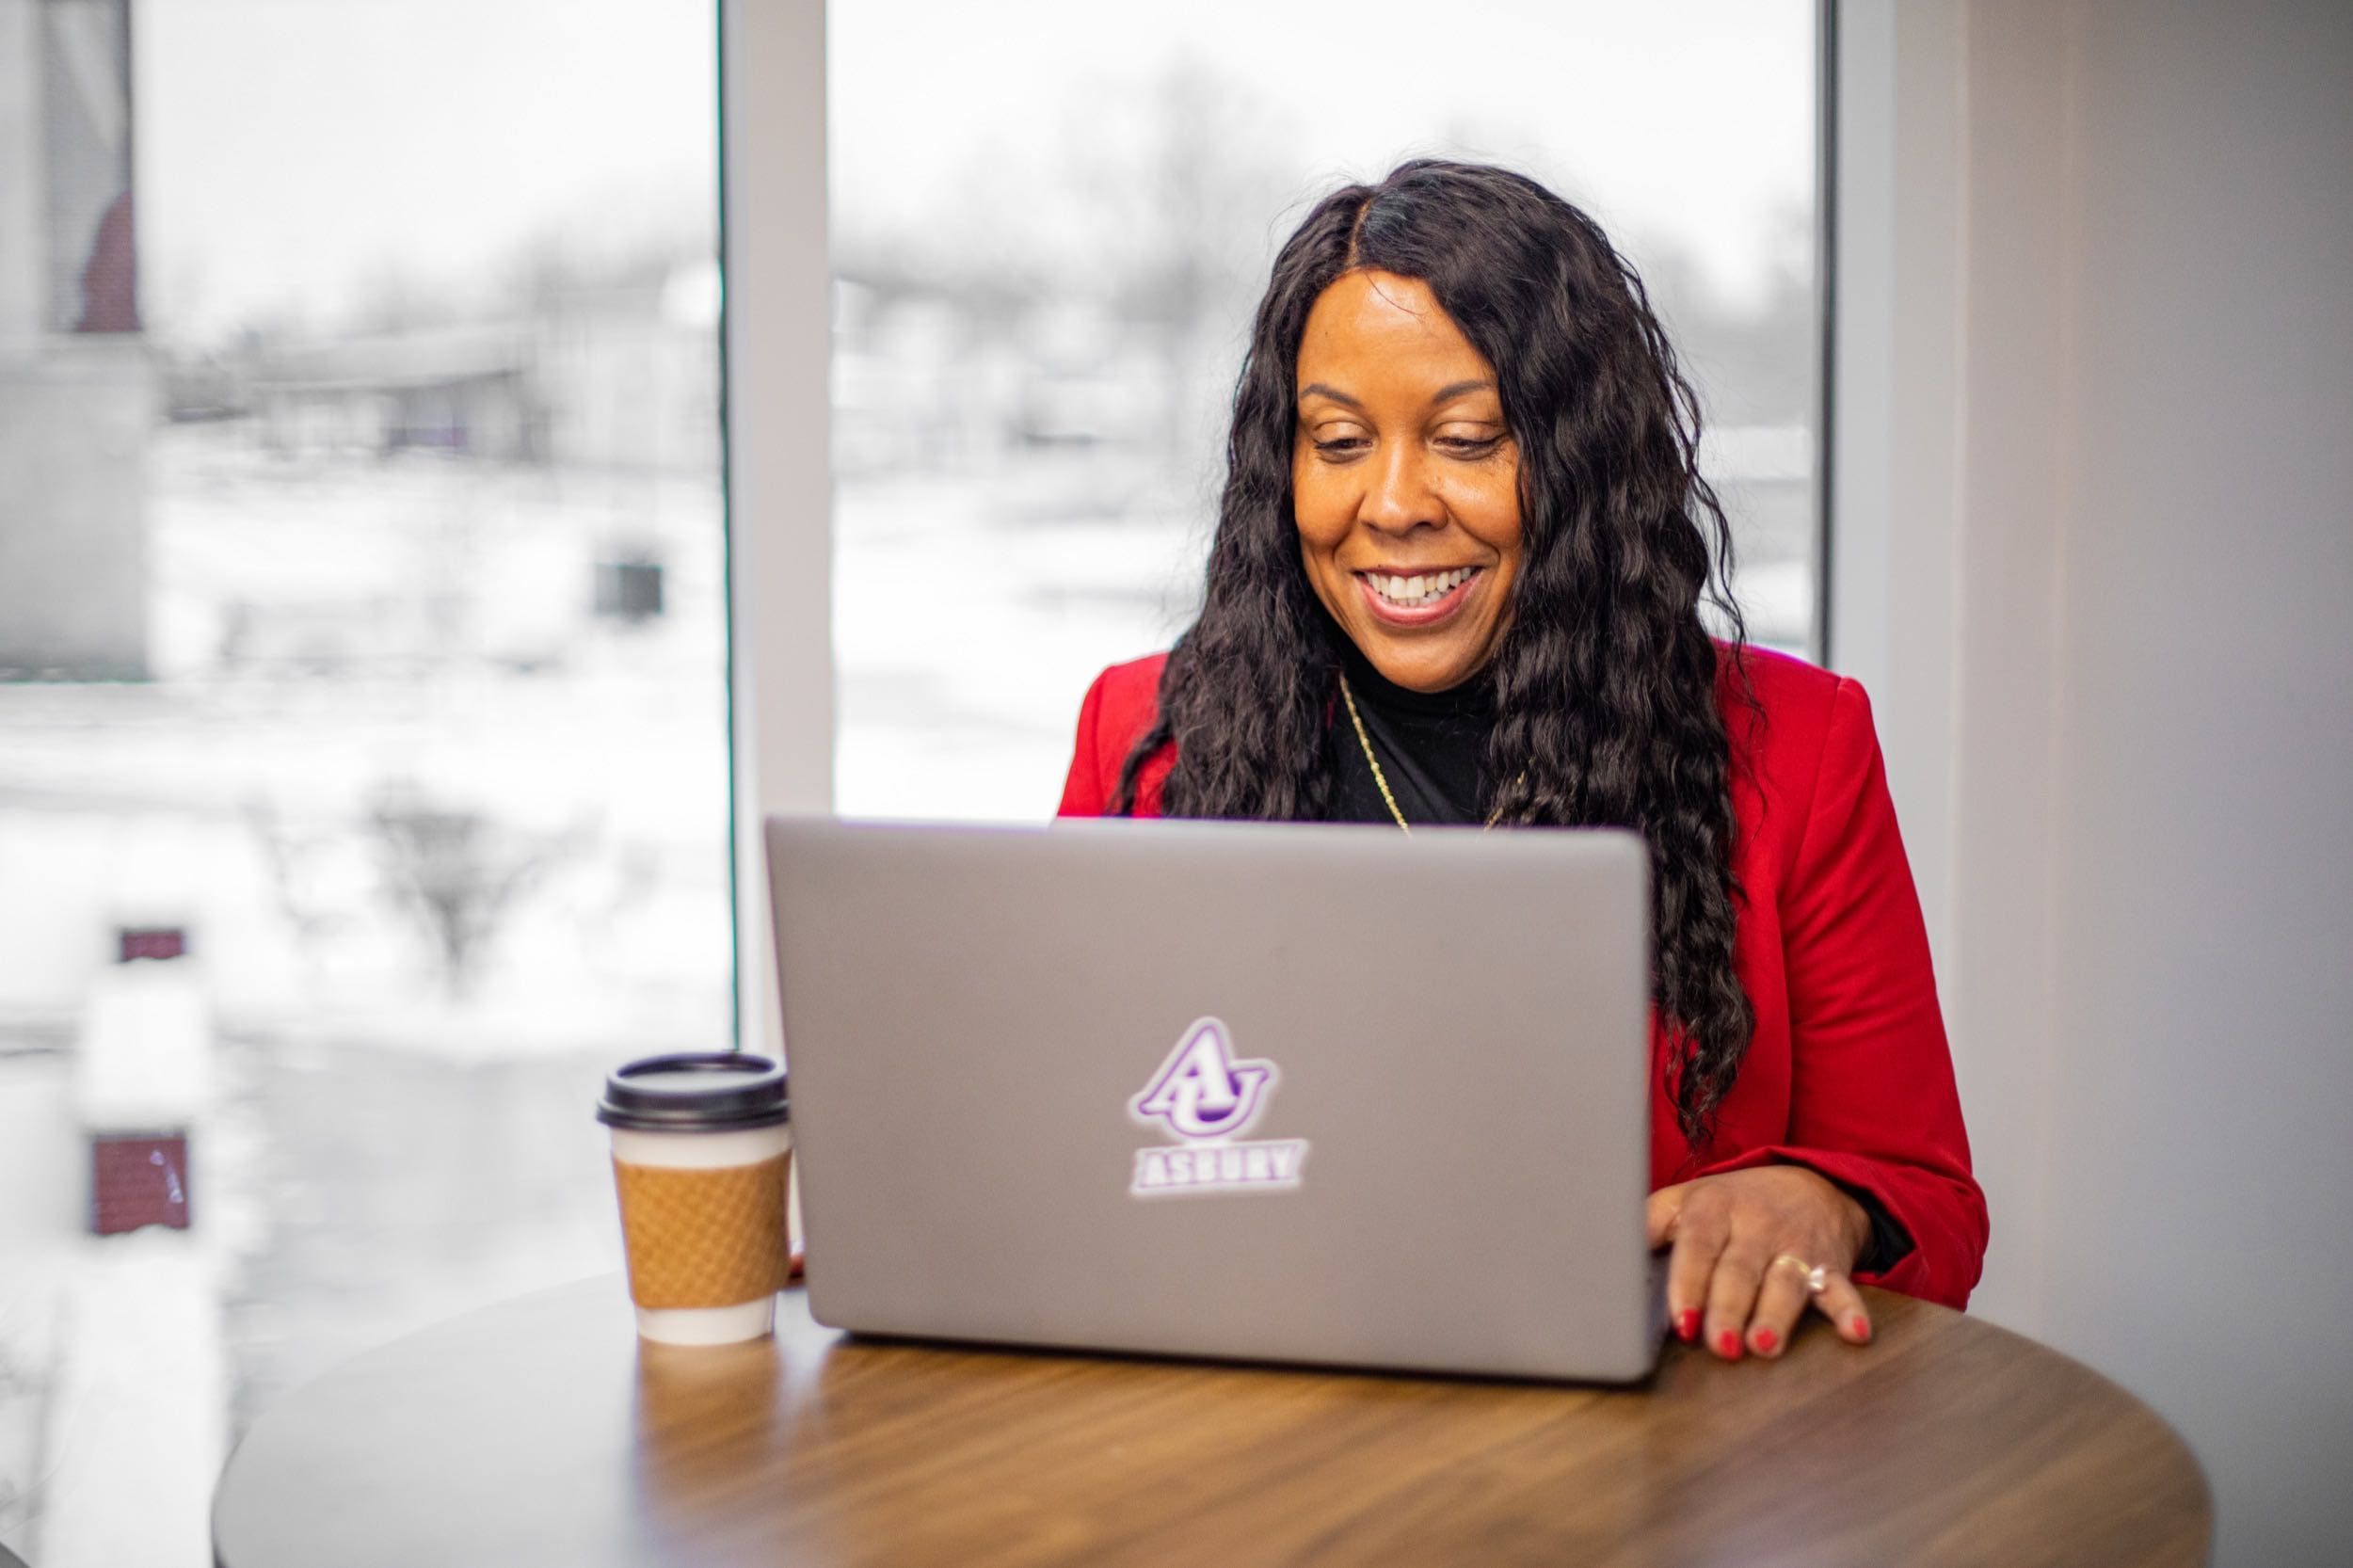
543	1432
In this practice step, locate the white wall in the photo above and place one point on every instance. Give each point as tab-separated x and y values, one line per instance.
2118	291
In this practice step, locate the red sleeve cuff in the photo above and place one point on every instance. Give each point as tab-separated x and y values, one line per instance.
1915	1199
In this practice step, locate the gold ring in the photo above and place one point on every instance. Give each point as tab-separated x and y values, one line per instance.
1817	1278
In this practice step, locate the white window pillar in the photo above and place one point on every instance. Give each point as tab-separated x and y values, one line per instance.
778	459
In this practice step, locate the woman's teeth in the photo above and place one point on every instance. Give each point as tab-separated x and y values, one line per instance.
1409	592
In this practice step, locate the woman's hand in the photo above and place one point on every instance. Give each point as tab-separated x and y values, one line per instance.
1733	1236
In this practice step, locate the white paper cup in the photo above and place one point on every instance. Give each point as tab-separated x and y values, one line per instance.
701	1164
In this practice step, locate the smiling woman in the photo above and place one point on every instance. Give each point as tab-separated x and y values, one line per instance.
1406	481
1457	578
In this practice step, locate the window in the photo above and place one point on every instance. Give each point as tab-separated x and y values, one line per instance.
1047	257
363	765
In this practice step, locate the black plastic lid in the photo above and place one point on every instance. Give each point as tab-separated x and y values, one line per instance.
696	1092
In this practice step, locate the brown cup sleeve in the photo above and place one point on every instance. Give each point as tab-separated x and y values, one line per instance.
703	1237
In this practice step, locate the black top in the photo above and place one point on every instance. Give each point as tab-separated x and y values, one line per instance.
1433	750
1433	747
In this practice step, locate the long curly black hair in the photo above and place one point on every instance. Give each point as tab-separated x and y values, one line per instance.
1606	680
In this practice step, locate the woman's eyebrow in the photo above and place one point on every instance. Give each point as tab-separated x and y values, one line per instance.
1448	393
1444	395
1314	388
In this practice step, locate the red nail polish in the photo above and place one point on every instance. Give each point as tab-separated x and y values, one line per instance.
1765	1341
1861	1327
1688	1324
1729	1343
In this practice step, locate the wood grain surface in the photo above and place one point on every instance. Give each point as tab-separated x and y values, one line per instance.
542	1431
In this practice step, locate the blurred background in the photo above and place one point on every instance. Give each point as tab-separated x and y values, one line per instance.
364	767
1045	272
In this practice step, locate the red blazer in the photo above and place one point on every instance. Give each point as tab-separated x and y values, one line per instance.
1849	1071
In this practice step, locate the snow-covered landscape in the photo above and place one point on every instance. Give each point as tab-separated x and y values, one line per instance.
430	891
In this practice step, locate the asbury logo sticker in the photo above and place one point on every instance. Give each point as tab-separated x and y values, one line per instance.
1206	1099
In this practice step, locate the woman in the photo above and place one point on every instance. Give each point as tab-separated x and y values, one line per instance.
1457	578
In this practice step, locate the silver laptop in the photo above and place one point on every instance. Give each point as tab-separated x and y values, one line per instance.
1294	1094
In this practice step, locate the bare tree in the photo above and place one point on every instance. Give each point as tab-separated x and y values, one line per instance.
460	872
1187	182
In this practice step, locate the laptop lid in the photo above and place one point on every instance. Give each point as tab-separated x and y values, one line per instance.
1288	1092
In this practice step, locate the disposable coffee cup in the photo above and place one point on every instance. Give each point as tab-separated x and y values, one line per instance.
702	1152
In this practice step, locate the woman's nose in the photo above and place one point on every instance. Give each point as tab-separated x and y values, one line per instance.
1398	496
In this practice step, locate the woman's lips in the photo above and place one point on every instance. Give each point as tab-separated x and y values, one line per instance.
1429	612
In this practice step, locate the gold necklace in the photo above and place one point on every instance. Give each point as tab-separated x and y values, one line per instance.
1381	780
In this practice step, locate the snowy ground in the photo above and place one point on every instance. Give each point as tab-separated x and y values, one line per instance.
334	639
970	617
136	1386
